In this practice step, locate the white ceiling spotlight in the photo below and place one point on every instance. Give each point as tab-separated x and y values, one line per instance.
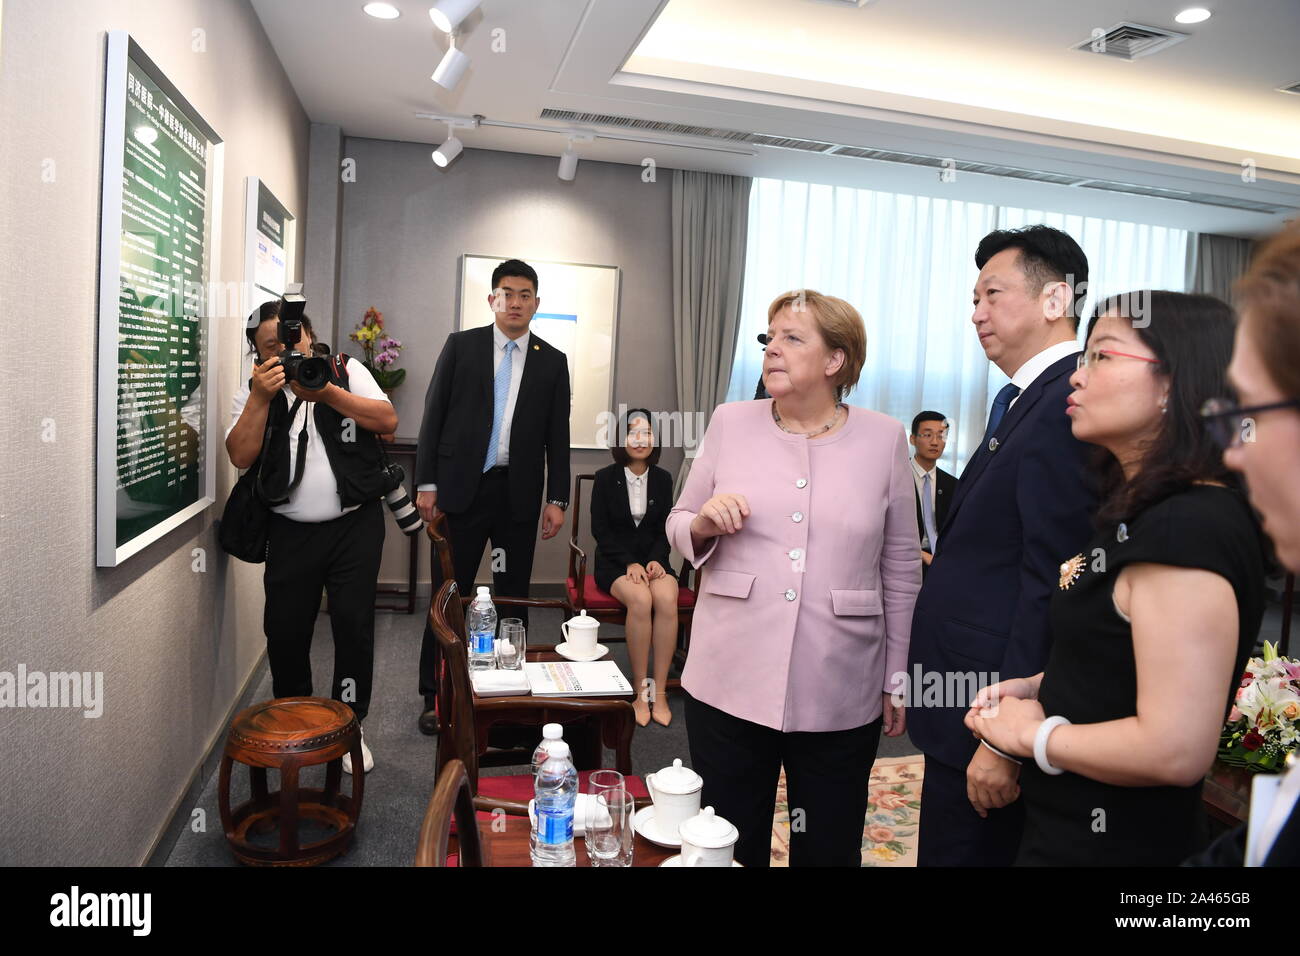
569	159
451	148
1193	15
447	15
452	67
382	11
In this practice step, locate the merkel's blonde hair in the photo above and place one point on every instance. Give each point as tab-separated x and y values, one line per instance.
839	325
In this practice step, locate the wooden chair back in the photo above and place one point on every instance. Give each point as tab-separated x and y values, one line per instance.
451	798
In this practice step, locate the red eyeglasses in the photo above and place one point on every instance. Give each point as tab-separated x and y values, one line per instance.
1090	358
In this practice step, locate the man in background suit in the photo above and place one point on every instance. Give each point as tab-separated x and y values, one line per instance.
1023	506
496	427
934	486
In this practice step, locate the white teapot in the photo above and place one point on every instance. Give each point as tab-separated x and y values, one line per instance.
675	791
708	840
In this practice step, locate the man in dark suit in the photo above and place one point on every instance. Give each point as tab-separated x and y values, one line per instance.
1022	507
495	429
934	486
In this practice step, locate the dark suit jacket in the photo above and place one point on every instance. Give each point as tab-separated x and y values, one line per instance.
945	490
1230	849
458	423
1019	512
619	540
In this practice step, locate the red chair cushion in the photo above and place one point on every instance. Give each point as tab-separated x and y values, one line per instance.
594	599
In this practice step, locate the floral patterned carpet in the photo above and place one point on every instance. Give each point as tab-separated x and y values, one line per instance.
893	815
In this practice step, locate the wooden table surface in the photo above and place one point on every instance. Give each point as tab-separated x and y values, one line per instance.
510	847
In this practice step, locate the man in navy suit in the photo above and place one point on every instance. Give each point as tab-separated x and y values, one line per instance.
495	433
1023	506
934	486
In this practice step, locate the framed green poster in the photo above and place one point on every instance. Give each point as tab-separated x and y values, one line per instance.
156	420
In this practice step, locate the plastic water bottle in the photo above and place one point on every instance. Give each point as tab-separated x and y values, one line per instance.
550	734
482	627
555	796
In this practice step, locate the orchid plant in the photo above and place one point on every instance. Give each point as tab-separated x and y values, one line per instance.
382	351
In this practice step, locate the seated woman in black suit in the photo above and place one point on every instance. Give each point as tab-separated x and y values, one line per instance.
1154	619
629	505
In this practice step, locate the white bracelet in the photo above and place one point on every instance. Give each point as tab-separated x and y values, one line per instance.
999	752
1040	744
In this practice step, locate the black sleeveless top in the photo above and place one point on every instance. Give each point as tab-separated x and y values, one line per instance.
1091	677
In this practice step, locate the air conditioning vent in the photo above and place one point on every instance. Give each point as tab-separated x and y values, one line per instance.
1294	88
908	159
1128	41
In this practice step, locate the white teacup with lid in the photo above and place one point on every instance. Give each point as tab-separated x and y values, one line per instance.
675	791
580	634
708	840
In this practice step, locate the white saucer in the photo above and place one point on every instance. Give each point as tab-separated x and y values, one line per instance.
643	822
677	861
563	651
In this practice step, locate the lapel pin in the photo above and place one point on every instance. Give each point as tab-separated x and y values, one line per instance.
536	347
993	444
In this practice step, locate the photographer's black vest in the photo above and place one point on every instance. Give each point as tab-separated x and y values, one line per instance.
353	452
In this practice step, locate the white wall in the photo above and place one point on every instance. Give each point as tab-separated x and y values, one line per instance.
175	646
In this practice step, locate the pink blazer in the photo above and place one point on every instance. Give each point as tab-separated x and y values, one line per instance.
804	614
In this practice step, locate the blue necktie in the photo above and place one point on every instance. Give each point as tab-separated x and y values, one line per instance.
500	393
927	514
1000	405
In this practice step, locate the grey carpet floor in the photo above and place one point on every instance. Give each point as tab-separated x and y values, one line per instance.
398	789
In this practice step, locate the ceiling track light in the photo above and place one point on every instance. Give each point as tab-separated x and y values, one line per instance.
452	146
447	15
569	159
452	67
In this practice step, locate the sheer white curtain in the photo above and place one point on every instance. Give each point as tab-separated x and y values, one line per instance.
907	264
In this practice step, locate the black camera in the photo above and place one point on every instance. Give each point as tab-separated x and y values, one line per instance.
399	502
310	372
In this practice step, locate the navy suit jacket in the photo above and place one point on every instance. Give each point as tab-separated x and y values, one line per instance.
1020	510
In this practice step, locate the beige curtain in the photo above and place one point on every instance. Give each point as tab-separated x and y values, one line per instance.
710	225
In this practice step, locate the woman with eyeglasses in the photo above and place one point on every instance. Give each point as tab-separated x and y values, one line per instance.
1153	621
1262	437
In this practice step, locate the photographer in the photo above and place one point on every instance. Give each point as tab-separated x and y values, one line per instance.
321	473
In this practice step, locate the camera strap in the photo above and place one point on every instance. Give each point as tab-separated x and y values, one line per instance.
300	458
340	365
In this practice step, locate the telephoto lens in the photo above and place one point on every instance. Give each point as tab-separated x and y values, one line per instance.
399	502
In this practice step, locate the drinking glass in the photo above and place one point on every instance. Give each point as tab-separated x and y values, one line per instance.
609	835
511	645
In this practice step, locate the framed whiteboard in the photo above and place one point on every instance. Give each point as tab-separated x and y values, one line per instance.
578	314
159	242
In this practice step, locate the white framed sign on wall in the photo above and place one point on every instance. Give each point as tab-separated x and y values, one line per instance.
159	205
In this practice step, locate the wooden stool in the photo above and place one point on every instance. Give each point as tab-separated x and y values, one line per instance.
287	735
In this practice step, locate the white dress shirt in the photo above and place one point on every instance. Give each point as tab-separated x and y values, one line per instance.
518	357
636	494
1037	365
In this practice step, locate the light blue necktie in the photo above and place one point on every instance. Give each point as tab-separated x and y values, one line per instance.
927	514
500	393
1000	405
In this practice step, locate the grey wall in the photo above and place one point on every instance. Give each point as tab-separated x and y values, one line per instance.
406	223
175	645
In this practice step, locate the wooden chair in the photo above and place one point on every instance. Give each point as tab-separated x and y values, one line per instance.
583	594
468	721
445	570
452	801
